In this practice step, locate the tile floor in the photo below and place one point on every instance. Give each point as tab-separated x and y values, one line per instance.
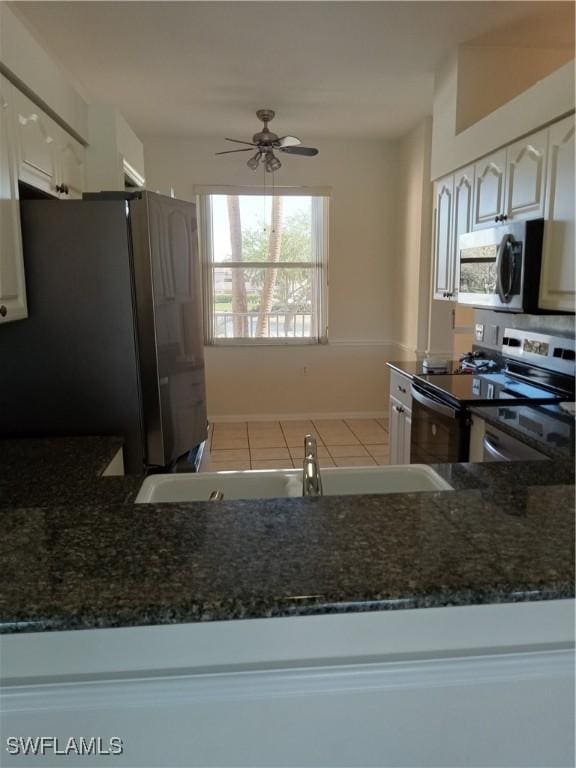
280	444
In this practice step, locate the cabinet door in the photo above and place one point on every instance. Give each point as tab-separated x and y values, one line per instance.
557	290
526	177
36	146
70	163
489	189
12	286
396	432
443	253
406	435
462	216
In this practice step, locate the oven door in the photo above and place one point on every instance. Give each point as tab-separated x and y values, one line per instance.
440	432
490	268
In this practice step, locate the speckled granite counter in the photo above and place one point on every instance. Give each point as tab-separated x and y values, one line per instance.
38	472
505	536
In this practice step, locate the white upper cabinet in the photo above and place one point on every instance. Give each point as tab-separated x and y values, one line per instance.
453	217
36	134
489	175
557	291
510	184
462	217
70	165
526	177
443	210
49	158
12	285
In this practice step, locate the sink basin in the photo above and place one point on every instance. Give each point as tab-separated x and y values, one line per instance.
401	478
277	483
251	484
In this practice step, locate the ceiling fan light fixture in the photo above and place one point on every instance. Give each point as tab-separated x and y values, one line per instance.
272	162
266	143
254	162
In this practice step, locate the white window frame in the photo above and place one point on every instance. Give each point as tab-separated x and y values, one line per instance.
321	223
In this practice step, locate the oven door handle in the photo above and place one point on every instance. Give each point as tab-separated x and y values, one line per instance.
504	246
434	405
493	450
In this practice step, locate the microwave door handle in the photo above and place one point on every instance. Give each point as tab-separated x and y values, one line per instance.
504	297
511	270
433	405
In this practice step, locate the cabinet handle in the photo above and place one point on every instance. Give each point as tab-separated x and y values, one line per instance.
402	389
63	189
398	409
3	311
501	217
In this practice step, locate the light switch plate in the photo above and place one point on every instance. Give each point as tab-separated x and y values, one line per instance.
479	331
493	334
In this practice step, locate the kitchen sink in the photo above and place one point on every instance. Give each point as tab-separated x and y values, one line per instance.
279	483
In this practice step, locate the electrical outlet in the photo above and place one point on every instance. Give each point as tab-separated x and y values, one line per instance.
479	331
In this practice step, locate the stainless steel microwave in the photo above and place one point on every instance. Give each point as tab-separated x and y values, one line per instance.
499	267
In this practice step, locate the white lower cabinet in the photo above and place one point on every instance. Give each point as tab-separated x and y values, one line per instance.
400	418
13	304
478	707
400	423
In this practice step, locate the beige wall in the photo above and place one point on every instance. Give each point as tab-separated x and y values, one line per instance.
490	76
414	230
348	375
547	100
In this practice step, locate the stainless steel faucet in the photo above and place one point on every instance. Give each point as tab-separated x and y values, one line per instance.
311	479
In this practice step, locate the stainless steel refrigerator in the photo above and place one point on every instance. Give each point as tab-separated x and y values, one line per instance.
113	343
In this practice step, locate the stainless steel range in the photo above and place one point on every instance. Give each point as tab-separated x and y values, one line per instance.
537	369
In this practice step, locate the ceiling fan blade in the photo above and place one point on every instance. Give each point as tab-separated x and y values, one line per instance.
229	151
308	151
288	141
237	141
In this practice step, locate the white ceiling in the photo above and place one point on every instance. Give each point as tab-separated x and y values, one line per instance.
332	69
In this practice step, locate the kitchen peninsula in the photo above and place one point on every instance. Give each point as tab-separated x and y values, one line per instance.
458	595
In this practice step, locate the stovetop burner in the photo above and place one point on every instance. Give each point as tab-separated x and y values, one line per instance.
472	362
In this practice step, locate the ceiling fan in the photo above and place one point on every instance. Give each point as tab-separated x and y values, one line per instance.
267	142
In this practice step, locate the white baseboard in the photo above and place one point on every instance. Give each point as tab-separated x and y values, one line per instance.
214	417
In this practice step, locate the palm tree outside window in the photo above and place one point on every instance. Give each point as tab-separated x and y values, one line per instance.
265	259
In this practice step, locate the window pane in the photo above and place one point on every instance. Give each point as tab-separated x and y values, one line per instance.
261	228
253	303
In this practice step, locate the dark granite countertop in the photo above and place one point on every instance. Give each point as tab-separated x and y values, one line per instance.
505	535
38	472
524	423
413	368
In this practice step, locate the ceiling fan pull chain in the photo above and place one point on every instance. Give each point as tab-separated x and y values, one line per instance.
264	176
272	202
